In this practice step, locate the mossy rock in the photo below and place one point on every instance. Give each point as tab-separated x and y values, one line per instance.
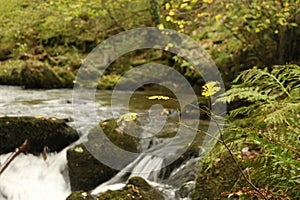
220	177
80	195
108	82
10	72
85	171
136	188
37	74
67	77
40	132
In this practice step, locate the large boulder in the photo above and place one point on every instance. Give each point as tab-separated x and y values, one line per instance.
85	171
41	132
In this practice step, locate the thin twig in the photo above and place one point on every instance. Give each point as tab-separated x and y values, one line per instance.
23	148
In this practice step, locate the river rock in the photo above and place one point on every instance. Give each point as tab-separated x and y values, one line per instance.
41	132
80	195
213	180
136	188
36	74
85	171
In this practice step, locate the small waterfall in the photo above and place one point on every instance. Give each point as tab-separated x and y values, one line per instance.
145	166
148	168
31	177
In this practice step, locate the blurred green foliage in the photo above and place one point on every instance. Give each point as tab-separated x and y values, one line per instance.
237	34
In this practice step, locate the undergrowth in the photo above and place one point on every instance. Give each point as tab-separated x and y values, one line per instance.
263	132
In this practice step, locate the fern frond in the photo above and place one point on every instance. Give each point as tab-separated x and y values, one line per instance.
274	95
251	94
284	114
244	110
274	80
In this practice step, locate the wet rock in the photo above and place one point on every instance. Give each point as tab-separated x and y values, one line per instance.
41	132
80	195
136	188
186	189
194	150
85	171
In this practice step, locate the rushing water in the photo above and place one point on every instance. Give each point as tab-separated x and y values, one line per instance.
30	177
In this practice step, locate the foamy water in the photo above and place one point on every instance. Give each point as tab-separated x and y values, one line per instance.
30	177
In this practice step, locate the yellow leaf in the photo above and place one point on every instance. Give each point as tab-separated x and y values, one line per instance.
158	98
171	13
210	88
207	1
169	18
84	194
160	26
78	149
282	21
218	17
183	5
202	14
167	6
287	5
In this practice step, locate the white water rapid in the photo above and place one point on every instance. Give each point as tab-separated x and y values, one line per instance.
30	177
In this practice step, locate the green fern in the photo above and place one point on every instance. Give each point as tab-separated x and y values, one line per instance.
270	126
274	94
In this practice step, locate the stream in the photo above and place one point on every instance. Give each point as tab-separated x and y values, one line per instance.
30	177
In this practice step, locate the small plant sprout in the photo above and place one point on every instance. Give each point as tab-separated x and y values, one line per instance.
127	117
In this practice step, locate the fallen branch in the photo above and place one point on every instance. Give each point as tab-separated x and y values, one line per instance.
23	148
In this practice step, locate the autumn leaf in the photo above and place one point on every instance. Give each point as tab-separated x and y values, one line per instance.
158	98
210	88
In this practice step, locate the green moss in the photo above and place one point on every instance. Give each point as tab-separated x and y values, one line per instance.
38	74
10	72
85	170
80	195
40	132
136	188
221	176
119	138
108	82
